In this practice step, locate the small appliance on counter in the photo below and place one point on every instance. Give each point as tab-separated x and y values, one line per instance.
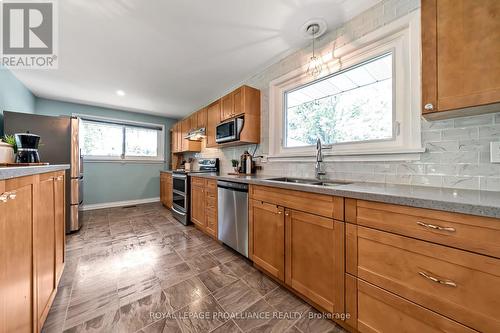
27	148
181	187
246	163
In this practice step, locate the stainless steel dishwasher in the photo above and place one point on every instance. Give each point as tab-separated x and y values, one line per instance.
233	215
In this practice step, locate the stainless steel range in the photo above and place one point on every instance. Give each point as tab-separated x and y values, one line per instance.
181	188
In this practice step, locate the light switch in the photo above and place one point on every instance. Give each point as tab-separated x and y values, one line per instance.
495	152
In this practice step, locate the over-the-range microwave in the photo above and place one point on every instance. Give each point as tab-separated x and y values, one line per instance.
229	130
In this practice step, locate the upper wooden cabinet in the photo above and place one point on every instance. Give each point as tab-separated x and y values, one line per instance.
213	118
461	54
201	118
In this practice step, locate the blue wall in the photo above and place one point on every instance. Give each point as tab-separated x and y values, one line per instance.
14	96
113	181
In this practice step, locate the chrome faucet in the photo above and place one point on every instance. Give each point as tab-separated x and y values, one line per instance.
318	170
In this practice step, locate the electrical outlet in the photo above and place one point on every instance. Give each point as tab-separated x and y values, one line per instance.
263	159
495	152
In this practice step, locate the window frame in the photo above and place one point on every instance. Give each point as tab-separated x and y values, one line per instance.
402	39
160	128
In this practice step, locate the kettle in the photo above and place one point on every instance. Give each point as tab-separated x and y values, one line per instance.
246	162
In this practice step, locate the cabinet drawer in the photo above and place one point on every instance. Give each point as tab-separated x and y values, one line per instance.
381	311
319	204
197	181
472	233
458	284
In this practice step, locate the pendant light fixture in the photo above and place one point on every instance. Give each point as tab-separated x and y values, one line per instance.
315	62
313	29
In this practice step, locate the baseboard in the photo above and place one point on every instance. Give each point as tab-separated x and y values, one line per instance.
119	203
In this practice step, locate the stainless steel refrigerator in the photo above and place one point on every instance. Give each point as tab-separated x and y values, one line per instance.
59	144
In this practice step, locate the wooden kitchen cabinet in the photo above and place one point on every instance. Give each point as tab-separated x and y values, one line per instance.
166	187
32	220
45	246
201	118
267	237
176	138
211	208
198	216
460	52
213	119
17	293
314	258
60	222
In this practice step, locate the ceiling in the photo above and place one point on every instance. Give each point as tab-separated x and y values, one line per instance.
171	57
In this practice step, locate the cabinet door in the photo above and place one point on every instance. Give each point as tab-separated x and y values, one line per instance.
315	258
455	74
213	116
227	107
59	209
202	118
16	273
169	188
185	127
198	205
237	102
44	249
163	192
267	237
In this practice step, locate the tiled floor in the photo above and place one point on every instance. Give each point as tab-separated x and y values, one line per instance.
139	270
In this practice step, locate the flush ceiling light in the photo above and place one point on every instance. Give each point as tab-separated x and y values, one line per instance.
120	93
314	29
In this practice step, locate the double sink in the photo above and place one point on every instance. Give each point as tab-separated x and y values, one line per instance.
308	181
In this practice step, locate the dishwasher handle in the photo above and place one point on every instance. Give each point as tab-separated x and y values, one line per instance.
240	187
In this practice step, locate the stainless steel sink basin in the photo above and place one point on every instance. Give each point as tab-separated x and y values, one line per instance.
308	181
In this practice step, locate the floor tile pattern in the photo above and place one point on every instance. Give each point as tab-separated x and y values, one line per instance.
136	269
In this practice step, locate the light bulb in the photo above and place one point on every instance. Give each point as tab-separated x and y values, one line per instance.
315	66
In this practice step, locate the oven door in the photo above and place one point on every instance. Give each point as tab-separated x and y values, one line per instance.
179	184
226	132
180	201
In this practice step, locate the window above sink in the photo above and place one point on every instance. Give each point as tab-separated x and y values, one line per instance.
366	106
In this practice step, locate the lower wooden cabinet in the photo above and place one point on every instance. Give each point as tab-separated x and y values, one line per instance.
198	204
204	205
267	237
32	236
382	311
305	251
314	254
17	208
45	246
166	187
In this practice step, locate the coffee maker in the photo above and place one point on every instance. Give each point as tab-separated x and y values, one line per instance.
27	148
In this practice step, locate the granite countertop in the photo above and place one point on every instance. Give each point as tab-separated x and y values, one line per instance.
480	203
14	172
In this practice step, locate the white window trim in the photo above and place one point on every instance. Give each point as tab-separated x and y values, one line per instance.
402	37
134	159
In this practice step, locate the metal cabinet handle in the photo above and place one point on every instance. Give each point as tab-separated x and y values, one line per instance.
279	212
434	279
429	106
7	196
436	227
59	178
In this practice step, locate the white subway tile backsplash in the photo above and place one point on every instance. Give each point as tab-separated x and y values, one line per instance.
486	119
470	183
490	183
460	157
489	131
427	180
441	146
460	133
